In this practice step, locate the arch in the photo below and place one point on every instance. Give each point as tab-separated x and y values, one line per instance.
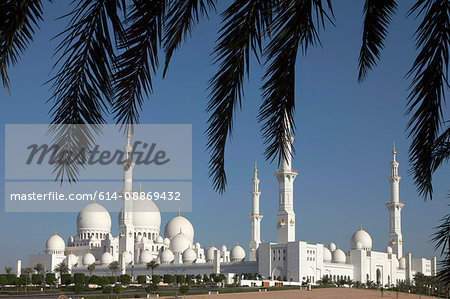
379	278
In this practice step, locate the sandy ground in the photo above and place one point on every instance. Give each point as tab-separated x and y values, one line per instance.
328	293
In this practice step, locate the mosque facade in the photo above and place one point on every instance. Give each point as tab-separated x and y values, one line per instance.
140	241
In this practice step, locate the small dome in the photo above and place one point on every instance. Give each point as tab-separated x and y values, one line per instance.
107	258
389	249
159	240
127	257
145	257
339	256
71	260
326	255
402	263
88	259
332	247
55	244
166	256
197	245
189	256
176	224
144	240
180	243
93	217
358	246
224	248
166	241
237	254
363	237
210	254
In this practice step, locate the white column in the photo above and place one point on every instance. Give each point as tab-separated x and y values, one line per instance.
255	218
18	268
395	207
126	229
286	215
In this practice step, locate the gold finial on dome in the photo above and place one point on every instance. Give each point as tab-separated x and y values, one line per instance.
179	211
181	231
55	233
394	152
360	227
237	243
256	168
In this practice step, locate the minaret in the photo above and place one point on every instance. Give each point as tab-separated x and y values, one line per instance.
395	209
126	229
255	218
286	176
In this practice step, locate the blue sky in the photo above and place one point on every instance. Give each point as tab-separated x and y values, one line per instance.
344	141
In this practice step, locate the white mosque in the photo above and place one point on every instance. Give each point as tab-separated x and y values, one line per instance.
140	241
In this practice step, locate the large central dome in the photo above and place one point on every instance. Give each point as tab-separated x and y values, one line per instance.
177	224
146	216
93	218
362	237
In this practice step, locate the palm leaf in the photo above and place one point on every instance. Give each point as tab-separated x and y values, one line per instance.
377	16
441	238
19	19
179	22
244	24
296	25
138	59
426	99
82	89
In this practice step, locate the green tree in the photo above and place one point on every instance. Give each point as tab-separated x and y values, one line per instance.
184	289
3	281
91	269
125	279
168	278
78	288
62	268
198	278
36	279
152	265
107	290
50	278
142	279
113	267
79	278
150	288
156	279
117	289
8	270
39	268
66	279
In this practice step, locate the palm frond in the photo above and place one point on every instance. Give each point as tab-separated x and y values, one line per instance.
82	89
426	99
179	22
138	59
441	239
244	25
19	19
297	25
441	150
377	16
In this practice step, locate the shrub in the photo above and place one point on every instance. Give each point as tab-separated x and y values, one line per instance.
150	288
180	279
156	279
66	279
107	290
50	278
102	280
79	278
117	289
111	279
125	279
168	278
184	289
35	278
142	279
78	288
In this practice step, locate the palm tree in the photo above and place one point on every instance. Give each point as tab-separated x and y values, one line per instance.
39	268
62	268
152	265
8	270
113	267
91	269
